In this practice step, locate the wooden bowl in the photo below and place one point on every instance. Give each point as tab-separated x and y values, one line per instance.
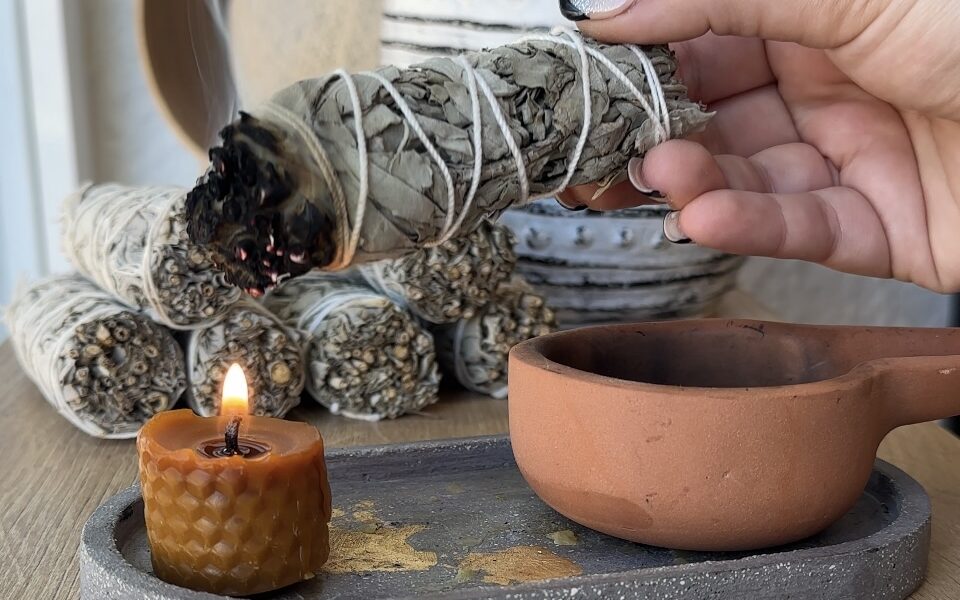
715	434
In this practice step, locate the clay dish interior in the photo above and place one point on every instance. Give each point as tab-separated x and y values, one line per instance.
714	434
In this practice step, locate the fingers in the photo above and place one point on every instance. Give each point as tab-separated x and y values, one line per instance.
836	227
715	67
679	171
682	171
813	23
750	122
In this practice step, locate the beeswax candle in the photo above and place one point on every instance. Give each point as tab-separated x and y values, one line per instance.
234	504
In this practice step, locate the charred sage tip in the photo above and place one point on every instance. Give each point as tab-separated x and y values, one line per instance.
291	188
251	212
105	368
270	353
475	350
367	358
451	281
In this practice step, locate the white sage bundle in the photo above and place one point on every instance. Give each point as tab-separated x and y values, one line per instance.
449	282
105	368
368	358
475	350
270	353
132	242
349	168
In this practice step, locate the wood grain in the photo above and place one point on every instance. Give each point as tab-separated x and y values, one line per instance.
53	476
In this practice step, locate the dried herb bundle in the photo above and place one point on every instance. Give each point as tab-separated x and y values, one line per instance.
475	350
104	367
270	353
368	358
347	169
451	281
132	242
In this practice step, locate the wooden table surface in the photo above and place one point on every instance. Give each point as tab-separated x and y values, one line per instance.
53	476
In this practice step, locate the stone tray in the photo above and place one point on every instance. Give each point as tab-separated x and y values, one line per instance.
455	520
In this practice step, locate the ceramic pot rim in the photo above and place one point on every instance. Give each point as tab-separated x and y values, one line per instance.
531	354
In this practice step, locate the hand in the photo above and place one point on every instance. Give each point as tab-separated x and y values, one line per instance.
836	138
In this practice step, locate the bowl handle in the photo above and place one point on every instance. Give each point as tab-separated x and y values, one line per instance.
916	389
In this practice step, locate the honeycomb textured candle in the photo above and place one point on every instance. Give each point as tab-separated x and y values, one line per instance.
233	525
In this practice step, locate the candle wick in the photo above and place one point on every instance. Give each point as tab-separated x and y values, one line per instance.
231	437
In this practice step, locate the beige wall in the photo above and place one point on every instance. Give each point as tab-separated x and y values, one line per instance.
129	140
809	293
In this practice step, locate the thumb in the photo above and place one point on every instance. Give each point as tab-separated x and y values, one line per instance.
813	23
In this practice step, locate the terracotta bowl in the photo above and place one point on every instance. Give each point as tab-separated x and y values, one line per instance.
716	434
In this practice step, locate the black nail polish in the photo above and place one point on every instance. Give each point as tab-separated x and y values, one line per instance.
576	208
571	12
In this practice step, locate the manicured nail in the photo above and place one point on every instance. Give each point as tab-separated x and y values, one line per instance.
574	208
635	174
671	228
578	10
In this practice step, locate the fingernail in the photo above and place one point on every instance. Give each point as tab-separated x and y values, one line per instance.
635	174
578	10
578	207
671	228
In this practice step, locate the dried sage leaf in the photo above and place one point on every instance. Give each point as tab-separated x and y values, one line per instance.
270	354
368	358
451	281
132	242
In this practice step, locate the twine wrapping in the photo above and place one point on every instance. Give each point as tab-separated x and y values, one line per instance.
132	242
475	350
105	368
448	282
368	359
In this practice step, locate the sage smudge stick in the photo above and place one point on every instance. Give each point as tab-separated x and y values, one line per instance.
270	353
132	242
475	350
368	358
105	368
346	169
449	282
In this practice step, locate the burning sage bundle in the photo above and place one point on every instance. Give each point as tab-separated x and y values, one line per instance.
475	350
368	358
132	242
348	168
271	355
104	367
451	281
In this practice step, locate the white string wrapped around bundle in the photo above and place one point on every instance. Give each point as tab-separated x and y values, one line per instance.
132	242
105	368
451	281
475	350
368	358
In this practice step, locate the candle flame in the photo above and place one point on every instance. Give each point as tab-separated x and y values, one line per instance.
235	399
